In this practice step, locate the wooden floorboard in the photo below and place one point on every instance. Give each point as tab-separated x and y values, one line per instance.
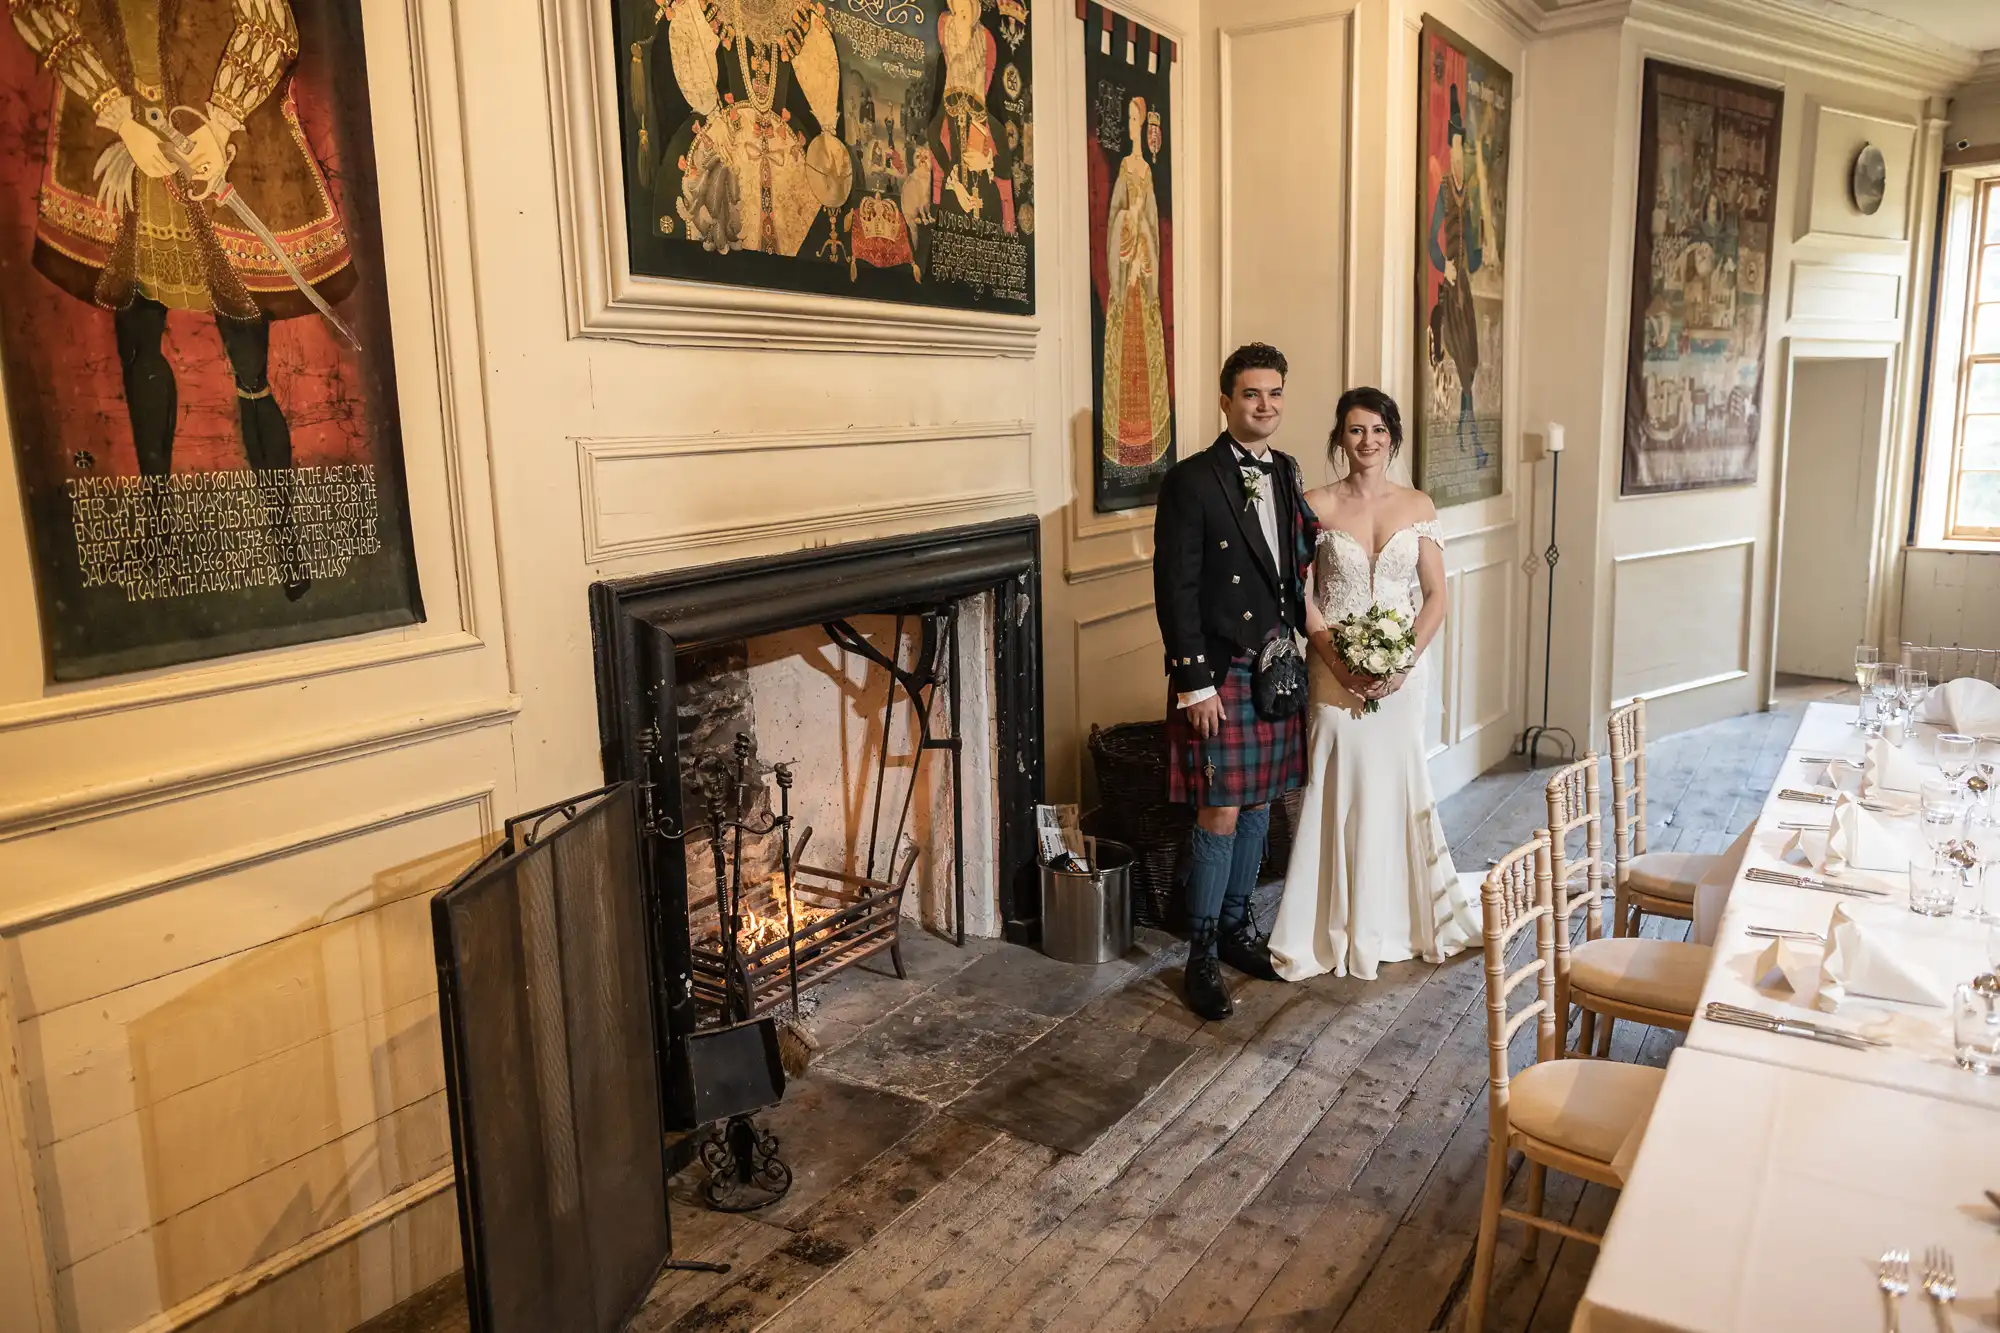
1315	1164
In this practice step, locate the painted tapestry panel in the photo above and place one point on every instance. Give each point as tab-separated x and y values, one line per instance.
196	345
1128	153
1708	180
870	148
1464	118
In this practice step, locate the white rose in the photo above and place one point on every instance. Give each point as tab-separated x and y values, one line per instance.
1387	627
1378	663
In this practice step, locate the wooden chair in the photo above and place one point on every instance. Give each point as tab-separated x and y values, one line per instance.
1659	883
1954	663
1650	981
1573	1115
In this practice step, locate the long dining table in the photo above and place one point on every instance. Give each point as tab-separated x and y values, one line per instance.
1774	1172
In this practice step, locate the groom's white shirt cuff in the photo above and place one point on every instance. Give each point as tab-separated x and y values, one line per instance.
1190	700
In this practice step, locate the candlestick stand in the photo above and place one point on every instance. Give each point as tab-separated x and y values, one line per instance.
1529	744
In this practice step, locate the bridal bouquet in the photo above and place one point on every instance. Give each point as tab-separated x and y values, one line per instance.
1378	642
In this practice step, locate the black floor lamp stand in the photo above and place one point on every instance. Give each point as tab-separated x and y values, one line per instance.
1560	741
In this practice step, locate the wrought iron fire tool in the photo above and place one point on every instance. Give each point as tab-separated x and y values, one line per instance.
745	1172
784	773
936	655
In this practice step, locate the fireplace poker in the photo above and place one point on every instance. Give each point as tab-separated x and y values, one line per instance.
729	908
784	772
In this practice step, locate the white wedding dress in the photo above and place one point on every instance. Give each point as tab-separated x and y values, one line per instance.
1371	880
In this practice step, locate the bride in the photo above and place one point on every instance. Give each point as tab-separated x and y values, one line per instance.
1371	880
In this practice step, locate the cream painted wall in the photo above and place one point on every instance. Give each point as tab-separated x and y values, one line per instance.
215	975
1829	287
216	983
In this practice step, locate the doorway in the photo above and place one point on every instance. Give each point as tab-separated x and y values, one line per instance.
1832	493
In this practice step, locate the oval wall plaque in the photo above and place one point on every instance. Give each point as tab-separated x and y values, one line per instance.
1869	178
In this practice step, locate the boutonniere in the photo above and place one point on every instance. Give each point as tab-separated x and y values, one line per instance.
1253	485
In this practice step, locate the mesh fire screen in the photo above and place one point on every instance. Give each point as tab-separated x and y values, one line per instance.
551	1073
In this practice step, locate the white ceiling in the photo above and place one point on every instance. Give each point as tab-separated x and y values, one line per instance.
1972	24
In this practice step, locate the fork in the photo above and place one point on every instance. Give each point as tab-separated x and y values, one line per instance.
1940	1281
1894	1278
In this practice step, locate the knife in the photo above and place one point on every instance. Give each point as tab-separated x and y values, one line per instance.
1786	1027
1723	1012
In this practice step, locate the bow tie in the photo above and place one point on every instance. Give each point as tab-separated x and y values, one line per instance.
1264	465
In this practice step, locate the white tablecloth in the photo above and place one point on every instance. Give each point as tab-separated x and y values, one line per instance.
1774	1171
1920	1059
1764	1197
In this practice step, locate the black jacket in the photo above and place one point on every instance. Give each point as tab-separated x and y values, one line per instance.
1215	589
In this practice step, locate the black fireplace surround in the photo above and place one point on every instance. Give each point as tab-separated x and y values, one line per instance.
639	624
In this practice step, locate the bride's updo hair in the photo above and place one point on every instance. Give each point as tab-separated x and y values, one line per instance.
1368	400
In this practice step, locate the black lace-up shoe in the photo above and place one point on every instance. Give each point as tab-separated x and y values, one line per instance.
1206	993
1248	952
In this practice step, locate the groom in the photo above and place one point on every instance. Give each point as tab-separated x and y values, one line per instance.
1232	541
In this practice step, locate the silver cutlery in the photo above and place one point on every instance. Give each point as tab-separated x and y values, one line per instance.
1739	1011
1759	875
1782	933
1940	1281
1833	798
1893	1276
1801	825
1732	1016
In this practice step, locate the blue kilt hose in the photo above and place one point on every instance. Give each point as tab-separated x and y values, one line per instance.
1249	761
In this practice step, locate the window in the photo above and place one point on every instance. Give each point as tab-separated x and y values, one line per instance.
1958	499
1973	504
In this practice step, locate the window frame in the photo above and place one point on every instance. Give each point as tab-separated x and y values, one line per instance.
1985	247
1971	200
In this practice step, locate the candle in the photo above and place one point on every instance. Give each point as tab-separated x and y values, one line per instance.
1555	437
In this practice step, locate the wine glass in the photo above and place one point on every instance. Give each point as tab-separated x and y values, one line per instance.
1984	778
1979	851
1942	814
1954	756
1887	688
1916	688
1865	660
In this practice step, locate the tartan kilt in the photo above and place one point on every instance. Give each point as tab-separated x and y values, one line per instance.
1255	760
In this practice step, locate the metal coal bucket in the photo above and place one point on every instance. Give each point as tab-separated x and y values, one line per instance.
1087	917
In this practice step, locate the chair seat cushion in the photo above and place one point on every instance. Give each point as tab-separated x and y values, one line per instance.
1670	875
1658	974
1587	1107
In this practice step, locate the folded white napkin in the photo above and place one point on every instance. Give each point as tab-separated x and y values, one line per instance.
1879	953
1969	706
1888	769
1853	839
1790	965
1843	775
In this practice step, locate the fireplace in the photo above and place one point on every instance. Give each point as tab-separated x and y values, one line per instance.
672	653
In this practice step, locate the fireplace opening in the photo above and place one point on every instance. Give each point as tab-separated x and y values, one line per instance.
824	662
832	768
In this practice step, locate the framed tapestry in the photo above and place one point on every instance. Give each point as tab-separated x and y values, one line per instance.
198	368
1701	258
1464	116
1128	128
870	148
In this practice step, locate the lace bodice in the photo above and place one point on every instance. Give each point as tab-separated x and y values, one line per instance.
1346	582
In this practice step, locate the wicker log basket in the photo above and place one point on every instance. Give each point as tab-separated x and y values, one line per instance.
1131	764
